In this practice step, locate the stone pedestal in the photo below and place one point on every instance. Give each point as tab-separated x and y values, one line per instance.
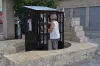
8	19
73	30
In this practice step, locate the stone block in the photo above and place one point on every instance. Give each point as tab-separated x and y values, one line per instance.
76	19
86	39
67	20
82	39
68	38
78	34
76	29
72	22
75	22
67	28
67	34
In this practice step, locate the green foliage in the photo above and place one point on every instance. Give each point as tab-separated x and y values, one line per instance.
18	4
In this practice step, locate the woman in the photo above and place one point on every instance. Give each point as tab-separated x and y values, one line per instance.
54	32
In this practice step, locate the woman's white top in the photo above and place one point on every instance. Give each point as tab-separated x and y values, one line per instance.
55	33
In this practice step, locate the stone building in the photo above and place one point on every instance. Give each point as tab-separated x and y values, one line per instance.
87	10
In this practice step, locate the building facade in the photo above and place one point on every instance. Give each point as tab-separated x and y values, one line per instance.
0	3
87	10
0	13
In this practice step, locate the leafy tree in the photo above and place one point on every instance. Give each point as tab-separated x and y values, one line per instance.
18	4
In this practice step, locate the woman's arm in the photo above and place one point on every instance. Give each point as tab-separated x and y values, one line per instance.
51	28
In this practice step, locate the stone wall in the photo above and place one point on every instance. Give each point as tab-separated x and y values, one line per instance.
64	57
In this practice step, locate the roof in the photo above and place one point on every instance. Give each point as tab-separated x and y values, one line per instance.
40	8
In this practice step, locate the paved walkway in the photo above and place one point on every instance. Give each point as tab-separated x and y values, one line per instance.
94	37
92	62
